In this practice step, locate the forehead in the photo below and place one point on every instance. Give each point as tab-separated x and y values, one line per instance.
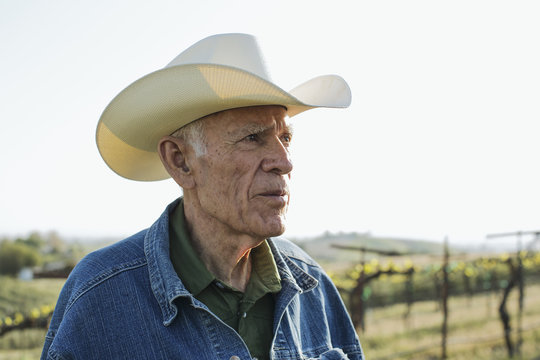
230	120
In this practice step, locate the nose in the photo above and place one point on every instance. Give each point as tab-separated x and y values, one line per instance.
278	158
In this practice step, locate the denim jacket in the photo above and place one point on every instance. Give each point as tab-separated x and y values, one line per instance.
126	302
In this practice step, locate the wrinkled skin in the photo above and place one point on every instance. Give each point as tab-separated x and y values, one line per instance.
242	180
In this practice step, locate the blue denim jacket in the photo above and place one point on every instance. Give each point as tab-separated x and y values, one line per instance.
126	302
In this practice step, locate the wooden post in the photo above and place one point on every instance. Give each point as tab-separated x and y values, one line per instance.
503	313
521	286
409	297
517	277
444	296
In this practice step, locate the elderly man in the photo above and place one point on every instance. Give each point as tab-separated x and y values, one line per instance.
210	279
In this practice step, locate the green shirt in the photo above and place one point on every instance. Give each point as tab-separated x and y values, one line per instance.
250	313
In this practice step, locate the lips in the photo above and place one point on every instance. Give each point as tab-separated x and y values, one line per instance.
278	197
277	192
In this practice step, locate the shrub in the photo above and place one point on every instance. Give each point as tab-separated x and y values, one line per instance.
16	256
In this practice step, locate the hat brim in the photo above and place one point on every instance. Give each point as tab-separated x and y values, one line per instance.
161	102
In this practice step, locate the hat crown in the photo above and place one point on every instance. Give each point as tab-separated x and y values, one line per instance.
236	50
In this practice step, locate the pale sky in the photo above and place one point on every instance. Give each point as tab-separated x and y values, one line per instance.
441	139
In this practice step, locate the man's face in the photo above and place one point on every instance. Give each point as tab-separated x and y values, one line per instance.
242	179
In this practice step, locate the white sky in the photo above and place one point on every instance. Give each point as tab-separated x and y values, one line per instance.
442	137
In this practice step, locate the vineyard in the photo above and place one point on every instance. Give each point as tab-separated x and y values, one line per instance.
449	306
442	290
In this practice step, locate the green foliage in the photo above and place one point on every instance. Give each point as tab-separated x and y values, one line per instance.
34	240
44	251
466	277
14	256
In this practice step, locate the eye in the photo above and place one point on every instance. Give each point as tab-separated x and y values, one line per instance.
286	138
252	138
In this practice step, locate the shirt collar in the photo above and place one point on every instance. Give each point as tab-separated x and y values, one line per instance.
264	274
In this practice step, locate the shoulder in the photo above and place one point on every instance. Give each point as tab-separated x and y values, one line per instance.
115	256
105	263
83	294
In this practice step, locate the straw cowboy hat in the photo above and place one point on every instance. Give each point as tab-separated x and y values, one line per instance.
217	73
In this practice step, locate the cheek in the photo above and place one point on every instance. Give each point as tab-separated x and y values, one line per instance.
227	179
225	185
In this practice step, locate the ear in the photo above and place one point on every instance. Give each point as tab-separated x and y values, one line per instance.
173	154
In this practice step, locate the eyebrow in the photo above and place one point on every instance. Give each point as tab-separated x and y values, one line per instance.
254	128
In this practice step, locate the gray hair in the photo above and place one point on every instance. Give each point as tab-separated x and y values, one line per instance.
193	134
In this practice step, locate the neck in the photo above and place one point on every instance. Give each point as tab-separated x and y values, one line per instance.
225	253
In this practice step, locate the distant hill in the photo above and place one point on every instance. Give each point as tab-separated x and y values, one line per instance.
321	247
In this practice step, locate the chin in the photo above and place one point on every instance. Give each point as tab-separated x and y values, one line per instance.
276	233
274	228
263	226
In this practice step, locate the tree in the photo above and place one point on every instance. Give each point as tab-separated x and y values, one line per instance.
16	256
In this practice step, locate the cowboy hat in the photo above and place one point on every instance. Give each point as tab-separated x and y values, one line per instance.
218	73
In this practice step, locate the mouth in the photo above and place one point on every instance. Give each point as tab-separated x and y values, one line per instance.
277	192
278	197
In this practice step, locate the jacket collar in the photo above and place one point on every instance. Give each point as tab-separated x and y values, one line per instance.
290	271
165	283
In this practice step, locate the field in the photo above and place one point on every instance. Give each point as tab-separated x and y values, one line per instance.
475	331
23	297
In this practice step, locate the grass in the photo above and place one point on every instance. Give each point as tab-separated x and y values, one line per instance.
474	329
19	345
30	354
22	297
